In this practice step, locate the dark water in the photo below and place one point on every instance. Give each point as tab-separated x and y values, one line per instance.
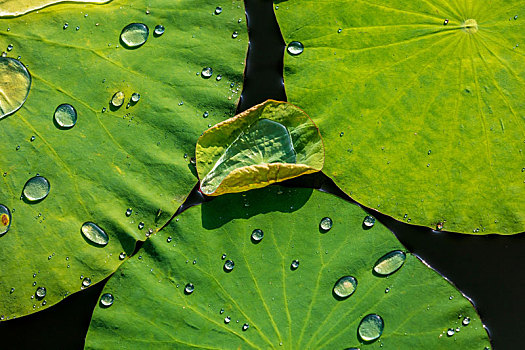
488	269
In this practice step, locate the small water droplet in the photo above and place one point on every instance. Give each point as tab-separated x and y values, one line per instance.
450	332
345	286
219	77
369	221
40	292
207	72
371	327
103	109
227	319
32	138
118	99
36	188
106	299
135	97
439	226
218	10
257	235
390	263
222	311
339	30
194	261
294	265
122	256
189	288
450	297
223	256
516	17
66	116
5	220
129	211
93	233
295	48
86	282
326	224
141	225
229	265
466	321
159	30
134	34
9	47
65	26
245	326
445	22
168	239
235	35
12	291
205	114
387	290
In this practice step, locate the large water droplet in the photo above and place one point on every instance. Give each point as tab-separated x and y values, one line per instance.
118	99
207	72
326	224
66	116
450	332
135	97
36	188
93	233
159	30
86	282
189	288
106	299
371	327
295	48
345	286
369	221
15	82
40	292
229	265
5	219
390	263
257	235
134	34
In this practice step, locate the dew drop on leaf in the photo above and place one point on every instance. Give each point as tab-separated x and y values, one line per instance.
295	48
86	282
257	235
207	72
65	116
390	263
159	30
94	234
345	286
326	224
229	265
106	299
5	219
36	188
40	292
118	99
134	34
369	221
189	288
16	82
371	327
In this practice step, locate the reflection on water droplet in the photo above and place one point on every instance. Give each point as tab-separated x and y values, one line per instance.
345	286
219	77
466	321
369	221
450	332
189	288
390	263
134	34
218	10
294	265
129	211
159	30
118	99
222	311
445	22
9	47
141	225
326	224
15	81
135	97
227	319
235	35
245	326
387	290
371	327
168	239
122	256
65	116
257	235
5	219
229	265
439	226
205	114
339	30
223	256
86	282
36	188
295	48
93	233
40	292
206	72
106	299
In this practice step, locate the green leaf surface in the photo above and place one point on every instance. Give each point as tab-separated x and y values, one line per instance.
267	143
285	308
421	120
112	159
20	7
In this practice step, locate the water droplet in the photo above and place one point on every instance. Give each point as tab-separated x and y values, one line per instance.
159	30
390	263
134	34
235	35
135	97
93	233
5	219
229	265
245	326
207	72
219	77
65	26
106	299
439	226
129	211
12	291
516	17
122	256
257	235
168	239
86	282
194	261
371	327
387	290
339	30
445	22
65	116
9	47
15	81
40	292
227	319
345	286
118	99
189	288
36	188
326	224
294	265
223	256
205	115
222	311
32	138
295	48
466	321
369	221
450	332
218	10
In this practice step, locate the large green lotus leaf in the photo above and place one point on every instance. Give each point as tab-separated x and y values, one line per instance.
19	7
270	142
113	158
421	120
283	307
